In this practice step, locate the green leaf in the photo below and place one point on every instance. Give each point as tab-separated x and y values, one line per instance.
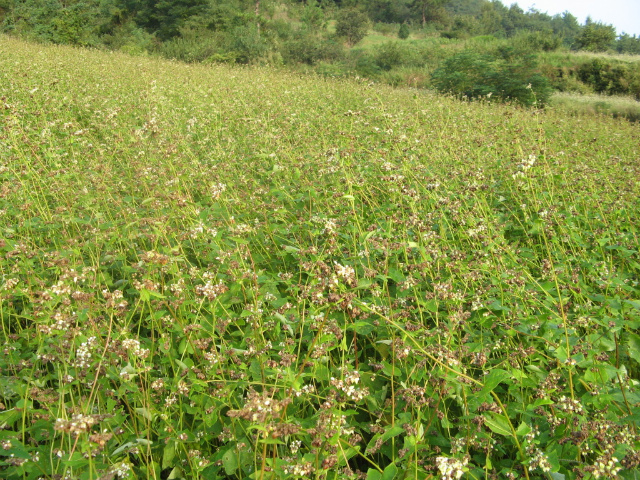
230	461
175	474
498	423
633	344
373	474
145	413
392	432
523	429
181	364
168	454
390	472
492	380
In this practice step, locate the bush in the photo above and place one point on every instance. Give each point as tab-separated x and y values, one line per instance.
403	32
310	50
390	55
302	49
365	65
472	75
604	77
352	25
537	41
248	43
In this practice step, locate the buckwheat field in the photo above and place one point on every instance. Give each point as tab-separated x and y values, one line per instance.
214	272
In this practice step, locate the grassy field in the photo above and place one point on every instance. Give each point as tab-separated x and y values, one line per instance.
213	272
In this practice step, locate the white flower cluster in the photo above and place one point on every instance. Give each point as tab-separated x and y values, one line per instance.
606	467
330	226
211	290
569	405
539	460
78	424
61	288
133	346
299	470
83	353
451	468
346	273
9	284
121	469
305	390
349	386
294	446
524	166
217	189
201	230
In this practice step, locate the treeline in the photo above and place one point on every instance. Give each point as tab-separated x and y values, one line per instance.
145	24
324	35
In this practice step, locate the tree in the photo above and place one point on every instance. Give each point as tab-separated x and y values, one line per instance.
595	37
389	11
352	25
628	44
163	17
430	10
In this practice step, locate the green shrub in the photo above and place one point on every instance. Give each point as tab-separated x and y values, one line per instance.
385	28
389	55
310	49
250	45
352	25
403	32
192	47
537	41
128	38
302	49
473	75
366	66
604	77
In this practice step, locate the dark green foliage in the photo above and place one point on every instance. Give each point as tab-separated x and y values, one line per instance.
606	78
366	66
537	41
164	18
565	26
390	55
389	11
313	15
127	37
310	49
628	44
352	25
430	11
472	75
403	32
247	42
595	37
74	22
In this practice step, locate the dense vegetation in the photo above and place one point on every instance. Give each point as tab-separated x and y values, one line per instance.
399	42
228	272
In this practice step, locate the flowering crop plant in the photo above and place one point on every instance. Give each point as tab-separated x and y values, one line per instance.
210	272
